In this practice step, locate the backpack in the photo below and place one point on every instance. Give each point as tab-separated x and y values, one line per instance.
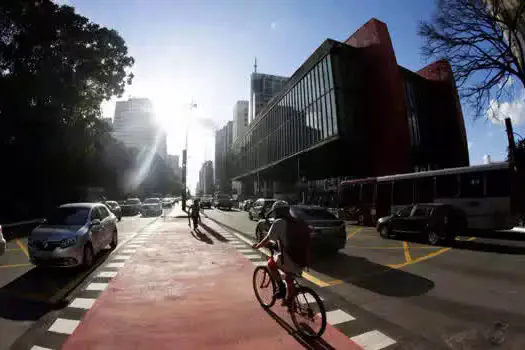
299	240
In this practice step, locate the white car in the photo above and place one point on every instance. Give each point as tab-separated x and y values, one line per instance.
2	242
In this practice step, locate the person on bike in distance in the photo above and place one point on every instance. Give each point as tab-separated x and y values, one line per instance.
194	213
294	242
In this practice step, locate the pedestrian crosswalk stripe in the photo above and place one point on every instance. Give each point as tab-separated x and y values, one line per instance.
260	263
115	264
97	286
373	340
245	250
64	326
308	298
338	316
107	274
252	256
82	303
122	257
36	347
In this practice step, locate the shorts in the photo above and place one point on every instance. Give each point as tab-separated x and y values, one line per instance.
286	264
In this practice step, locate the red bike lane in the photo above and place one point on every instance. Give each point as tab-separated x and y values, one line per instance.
186	290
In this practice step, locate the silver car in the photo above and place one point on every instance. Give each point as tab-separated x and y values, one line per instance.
2	242
151	206
73	235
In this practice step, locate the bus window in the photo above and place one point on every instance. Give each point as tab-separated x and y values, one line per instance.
384	198
349	195
367	193
447	186
498	183
403	192
424	190
471	185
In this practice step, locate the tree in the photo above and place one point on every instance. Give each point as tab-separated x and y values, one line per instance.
484	41
56	68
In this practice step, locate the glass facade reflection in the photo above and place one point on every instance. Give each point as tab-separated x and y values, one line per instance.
303	116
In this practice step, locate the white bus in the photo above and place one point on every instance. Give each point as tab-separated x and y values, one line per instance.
483	192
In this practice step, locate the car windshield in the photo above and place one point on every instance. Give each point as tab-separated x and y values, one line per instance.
133	201
313	214
68	216
112	205
151	201
269	203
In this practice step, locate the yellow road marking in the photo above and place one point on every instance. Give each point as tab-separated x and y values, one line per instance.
351	234
22	246
13	265
425	257
388	247
406	250
13	249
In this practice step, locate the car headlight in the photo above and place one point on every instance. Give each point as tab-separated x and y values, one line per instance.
67	242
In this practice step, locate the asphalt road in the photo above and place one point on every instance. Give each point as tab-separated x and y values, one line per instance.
28	293
468	295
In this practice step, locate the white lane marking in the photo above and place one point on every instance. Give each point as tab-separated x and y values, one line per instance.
129	251
115	264
82	303
97	286
373	340
121	257
245	250
308	298
64	326
253	256
338	316
107	274
133	246
36	347
259	263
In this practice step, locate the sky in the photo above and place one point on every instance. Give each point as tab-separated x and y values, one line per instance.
203	51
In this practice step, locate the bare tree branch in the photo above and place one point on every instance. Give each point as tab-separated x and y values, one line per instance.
483	41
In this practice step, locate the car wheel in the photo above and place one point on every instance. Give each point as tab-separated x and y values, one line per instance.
114	240
88	256
433	237
250	215
384	231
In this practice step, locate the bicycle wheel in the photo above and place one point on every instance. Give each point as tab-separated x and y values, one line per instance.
264	286
308	313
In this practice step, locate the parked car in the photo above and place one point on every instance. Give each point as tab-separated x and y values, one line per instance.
72	235
115	209
245	205
260	208
436	221
3	243
328	232
151	206
224	202
131	206
206	202
167	202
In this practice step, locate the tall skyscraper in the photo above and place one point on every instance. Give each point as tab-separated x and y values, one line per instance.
173	163
263	88
205	185
240	119
135	126
223	145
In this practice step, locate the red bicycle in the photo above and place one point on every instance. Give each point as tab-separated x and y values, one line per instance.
305	307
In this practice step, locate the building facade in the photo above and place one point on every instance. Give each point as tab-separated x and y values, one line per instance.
263	87
173	163
351	111
240	119
223	160
135	126
205	185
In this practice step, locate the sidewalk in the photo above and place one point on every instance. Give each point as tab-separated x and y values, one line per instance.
188	291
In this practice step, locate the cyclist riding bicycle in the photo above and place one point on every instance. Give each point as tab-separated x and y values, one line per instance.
294	242
194	213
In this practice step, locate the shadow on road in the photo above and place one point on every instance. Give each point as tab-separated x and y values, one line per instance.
214	233
201	236
40	290
313	344
374	277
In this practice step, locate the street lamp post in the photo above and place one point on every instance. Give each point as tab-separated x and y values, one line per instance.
185	161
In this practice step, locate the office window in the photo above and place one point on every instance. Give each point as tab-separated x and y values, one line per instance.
301	95
326	99
315	122
330	73
319	80
324	117
322	71
308	90
334	112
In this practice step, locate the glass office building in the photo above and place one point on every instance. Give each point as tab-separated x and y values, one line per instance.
302	116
